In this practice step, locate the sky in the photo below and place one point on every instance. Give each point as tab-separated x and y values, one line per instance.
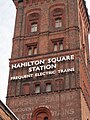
7	22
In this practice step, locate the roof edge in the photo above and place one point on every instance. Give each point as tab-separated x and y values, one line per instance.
5	107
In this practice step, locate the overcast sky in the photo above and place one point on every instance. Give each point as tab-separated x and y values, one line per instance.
7	20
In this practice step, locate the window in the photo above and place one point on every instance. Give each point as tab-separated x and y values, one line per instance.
33	23
58	45
35	50
37	88
48	87
34	27
41	113
45	118
58	23
55	47
26	88
57	19
32	50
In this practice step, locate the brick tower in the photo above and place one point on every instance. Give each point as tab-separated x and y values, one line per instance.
49	76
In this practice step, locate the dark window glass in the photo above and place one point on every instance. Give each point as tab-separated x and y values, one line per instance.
46	118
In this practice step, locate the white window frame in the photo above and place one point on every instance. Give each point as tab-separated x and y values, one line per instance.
34	27
48	87
37	88
58	23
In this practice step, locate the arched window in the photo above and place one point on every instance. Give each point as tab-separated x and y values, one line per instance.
33	23
42	116
45	118
41	113
57	18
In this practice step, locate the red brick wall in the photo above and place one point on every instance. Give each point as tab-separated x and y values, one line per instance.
64	105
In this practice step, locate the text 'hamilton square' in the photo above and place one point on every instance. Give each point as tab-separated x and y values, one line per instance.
42	65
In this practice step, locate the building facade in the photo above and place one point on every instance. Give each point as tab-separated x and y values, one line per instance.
6	113
49	65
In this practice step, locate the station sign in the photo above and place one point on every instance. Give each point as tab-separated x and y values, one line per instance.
43	67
